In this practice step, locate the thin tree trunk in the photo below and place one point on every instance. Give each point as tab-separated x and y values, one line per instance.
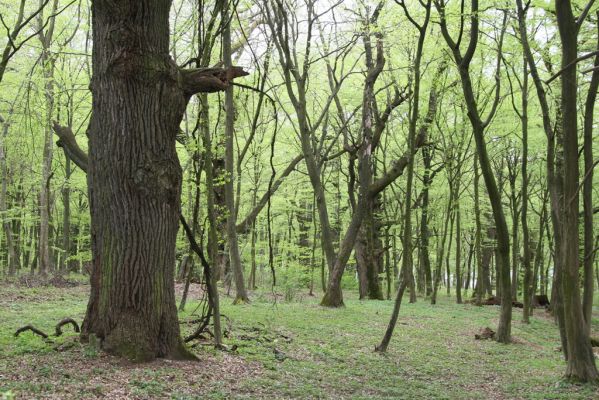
528	291
48	63
470	274
241	295
66	217
13	259
587	300
480	283
478	125
554	173
441	251
458	255
450	233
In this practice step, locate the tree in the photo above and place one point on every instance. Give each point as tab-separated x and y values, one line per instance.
406	267
553	170
48	63
479	125
134	177
589	165
23	20
581	360
241	296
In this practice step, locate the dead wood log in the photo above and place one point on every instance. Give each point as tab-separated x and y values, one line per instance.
484	334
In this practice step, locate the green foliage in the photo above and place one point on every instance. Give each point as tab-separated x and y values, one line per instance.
9	395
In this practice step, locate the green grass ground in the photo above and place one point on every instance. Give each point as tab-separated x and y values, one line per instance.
293	350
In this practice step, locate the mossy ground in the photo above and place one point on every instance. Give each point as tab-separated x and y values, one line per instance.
294	349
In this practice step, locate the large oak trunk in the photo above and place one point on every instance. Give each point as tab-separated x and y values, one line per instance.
134	181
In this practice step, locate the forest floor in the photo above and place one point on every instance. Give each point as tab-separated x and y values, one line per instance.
293	349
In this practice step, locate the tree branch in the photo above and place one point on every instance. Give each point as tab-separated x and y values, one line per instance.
584	13
244	226
396	170
570	65
66	140
209	80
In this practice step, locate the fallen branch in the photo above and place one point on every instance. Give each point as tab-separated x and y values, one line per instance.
44	335
65	322
32	329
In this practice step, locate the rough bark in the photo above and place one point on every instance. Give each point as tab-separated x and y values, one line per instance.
134	178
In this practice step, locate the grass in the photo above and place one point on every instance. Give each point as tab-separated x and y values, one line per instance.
293	350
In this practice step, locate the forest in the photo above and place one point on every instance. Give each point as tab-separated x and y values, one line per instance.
281	199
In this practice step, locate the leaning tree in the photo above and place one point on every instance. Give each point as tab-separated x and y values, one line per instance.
134	177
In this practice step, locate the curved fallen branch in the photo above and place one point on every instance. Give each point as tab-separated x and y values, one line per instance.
64	322
32	329
44	335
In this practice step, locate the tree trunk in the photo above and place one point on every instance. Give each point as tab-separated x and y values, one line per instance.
47	61
581	360
134	177
478	126
441	251
241	295
589	249
554	171
423	251
11	247
528	291
470	274
66	217
458	255
480	282
253	240
515	248
448	255
369	252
